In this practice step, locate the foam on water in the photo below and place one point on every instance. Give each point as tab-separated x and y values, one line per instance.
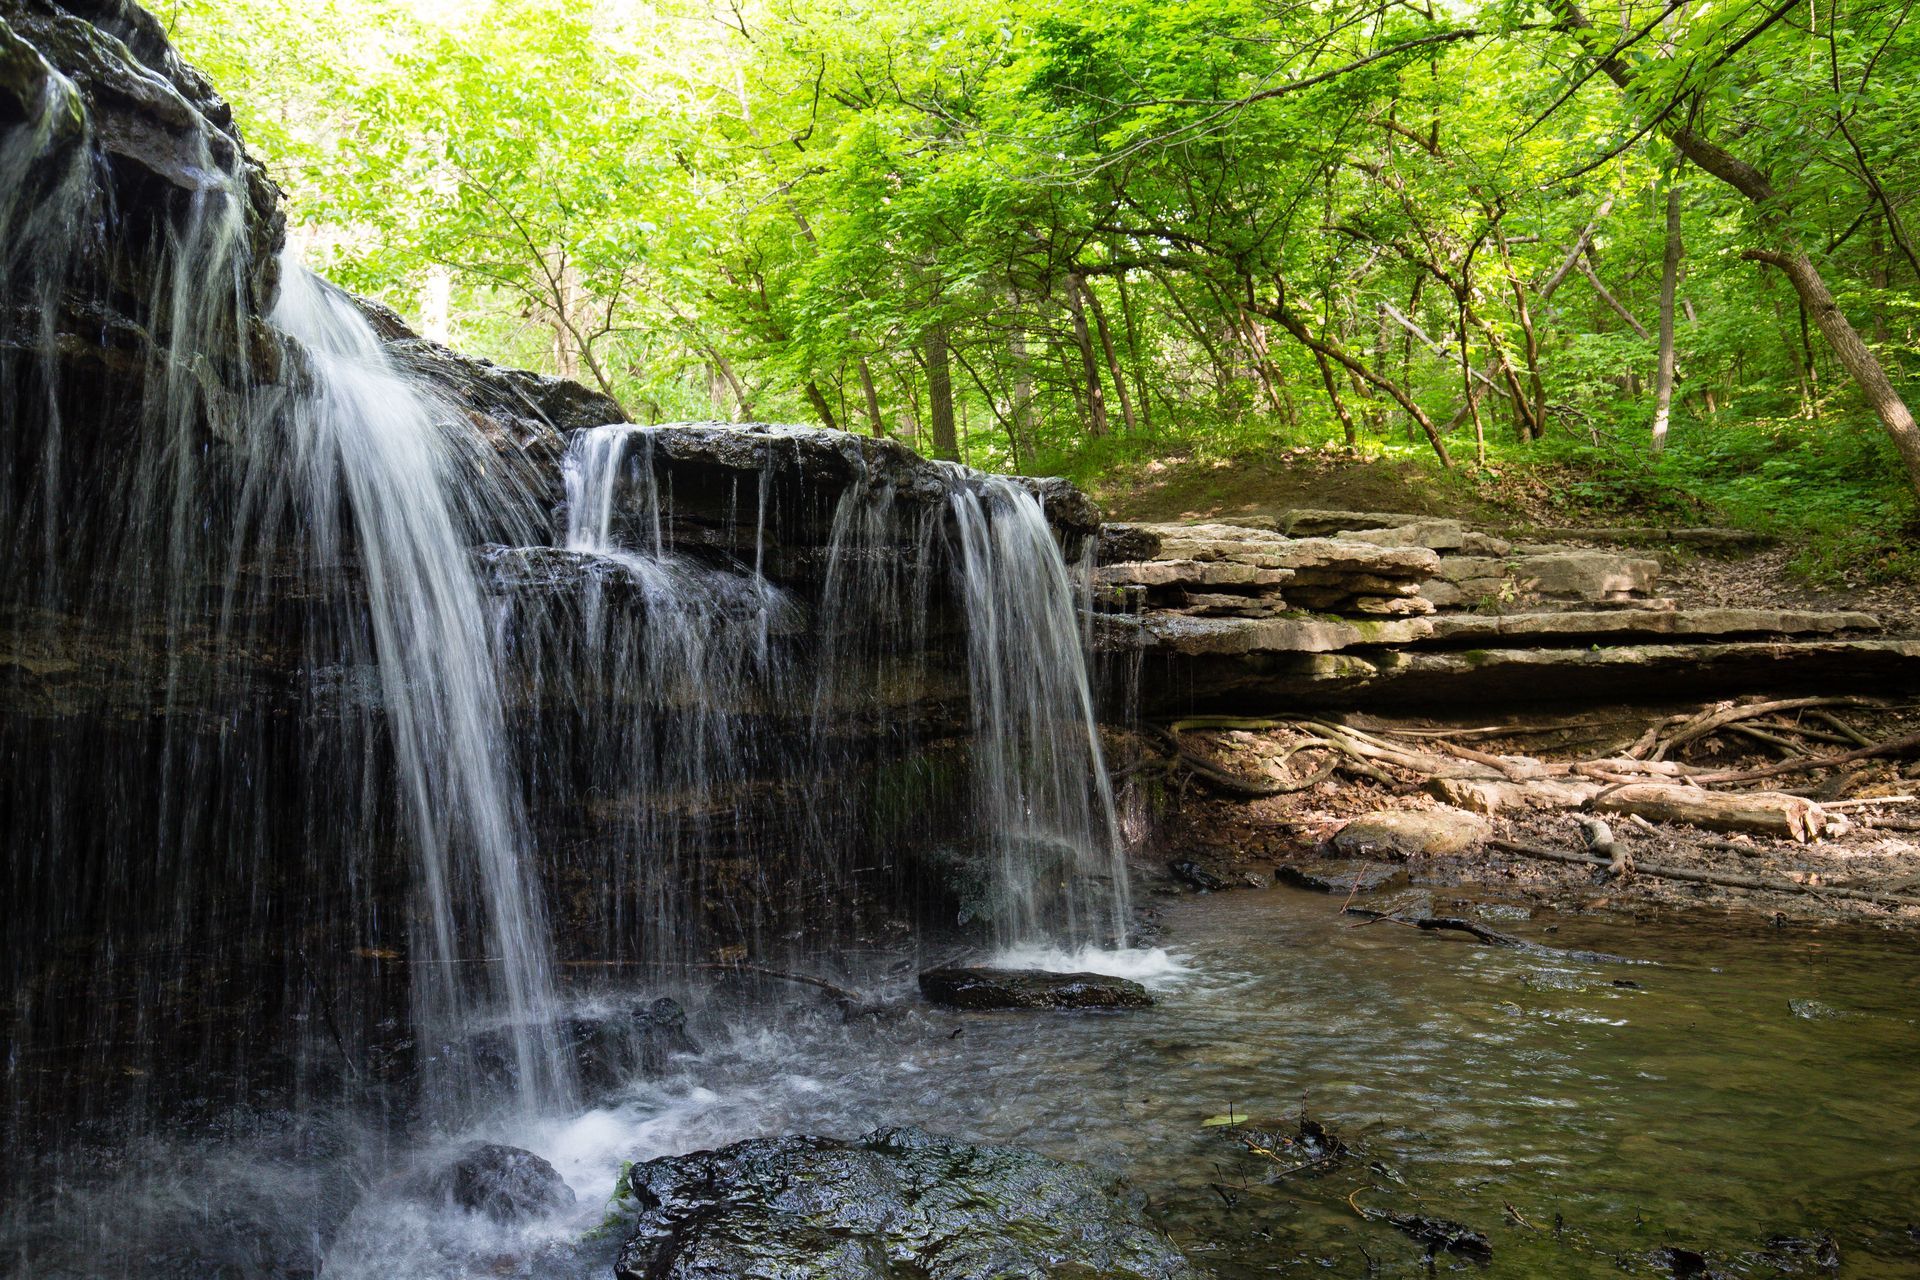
1155	968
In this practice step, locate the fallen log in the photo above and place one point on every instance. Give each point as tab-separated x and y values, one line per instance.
1769	813
1723	879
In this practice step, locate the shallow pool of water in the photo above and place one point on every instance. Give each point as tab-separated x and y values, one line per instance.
1750	1086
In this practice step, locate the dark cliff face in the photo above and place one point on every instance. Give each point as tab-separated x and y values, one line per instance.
748	704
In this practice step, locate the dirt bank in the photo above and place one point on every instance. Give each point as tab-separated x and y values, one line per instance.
1863	867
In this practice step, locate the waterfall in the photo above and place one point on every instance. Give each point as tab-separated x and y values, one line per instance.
658	678
720	661
310	793
366	434
1040	781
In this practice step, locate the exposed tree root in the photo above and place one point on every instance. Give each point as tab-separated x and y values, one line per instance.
1642	779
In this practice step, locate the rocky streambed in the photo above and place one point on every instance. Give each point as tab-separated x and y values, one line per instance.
1303	1097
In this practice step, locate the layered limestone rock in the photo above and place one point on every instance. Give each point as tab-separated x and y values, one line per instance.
1227	570
1591	577
1342	608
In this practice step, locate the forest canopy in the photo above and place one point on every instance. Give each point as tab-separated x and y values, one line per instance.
1668	245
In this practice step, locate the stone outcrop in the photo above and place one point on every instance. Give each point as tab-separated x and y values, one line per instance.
506	1184
1340	608
897	1202
1618	624
1222	570
1559	575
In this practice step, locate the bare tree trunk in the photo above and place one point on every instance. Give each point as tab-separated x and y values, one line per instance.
873	400
1854	355
744	406
1533	423
1669	288
1473	400
1880	278
1606	296
1133	355
1222	375
1269	373
1113	362
1292	324
946	443
1020	419
1089	367
818	399
1333	394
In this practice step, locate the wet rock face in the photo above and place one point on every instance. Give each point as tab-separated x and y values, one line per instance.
607	1050
506	1184
1030	989
897	1202
523	415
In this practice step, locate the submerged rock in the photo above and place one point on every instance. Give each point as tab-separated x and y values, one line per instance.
1340	875
1195	876
1030	989
1814	1010
507	1184
636	1042
895	1203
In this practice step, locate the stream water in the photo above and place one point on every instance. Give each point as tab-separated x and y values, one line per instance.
1753	1088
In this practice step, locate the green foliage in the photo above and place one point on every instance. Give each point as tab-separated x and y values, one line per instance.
620	1205
1143	227
1833	493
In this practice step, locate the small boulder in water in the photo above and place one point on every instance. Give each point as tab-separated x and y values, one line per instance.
897	1202
507	1184
636	1042
1195	876
980	988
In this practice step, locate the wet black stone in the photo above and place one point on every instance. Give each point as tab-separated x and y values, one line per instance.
1030	989
637	1042
1683	1263
1442	1234
895	1203
607	1050
1195	876
506	1184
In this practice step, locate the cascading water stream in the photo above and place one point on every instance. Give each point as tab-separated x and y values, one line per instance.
1039	828
368	436
1040	781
